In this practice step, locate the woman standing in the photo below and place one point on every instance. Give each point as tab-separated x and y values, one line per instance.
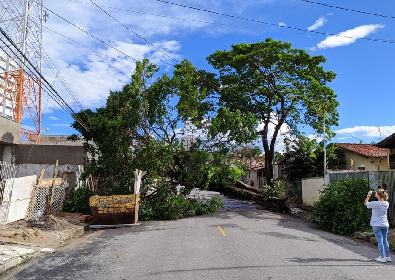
379	222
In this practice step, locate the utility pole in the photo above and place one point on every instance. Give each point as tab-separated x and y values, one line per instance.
20	89
324	144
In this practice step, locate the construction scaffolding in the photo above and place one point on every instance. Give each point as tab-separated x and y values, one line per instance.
20	54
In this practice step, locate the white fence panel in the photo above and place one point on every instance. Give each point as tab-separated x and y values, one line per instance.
311	190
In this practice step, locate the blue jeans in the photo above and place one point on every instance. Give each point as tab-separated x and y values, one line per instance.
381	236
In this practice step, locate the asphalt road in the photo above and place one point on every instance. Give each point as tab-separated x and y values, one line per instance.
242	243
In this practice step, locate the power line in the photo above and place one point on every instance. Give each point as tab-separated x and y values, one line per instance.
145	40
59	76
171	17
86	32
47	85
347	9
274	24
92	51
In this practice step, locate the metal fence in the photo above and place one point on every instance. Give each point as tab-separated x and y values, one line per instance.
7	171
375	179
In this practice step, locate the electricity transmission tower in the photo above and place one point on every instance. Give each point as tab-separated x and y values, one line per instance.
21	24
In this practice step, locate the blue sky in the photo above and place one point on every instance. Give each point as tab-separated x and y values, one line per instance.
364	63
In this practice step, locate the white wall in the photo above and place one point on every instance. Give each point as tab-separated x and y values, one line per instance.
35	169
310	190
16	198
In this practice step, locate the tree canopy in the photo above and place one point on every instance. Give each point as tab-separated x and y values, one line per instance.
139	128
259	88
305	158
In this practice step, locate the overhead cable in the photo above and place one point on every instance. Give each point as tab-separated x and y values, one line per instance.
46	84
92	51
275	24
347	9
86	32
145	40
171	17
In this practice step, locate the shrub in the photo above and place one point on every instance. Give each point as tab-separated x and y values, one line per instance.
340	208
164	204
275	190
78	201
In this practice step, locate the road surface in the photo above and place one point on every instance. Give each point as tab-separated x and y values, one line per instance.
239	242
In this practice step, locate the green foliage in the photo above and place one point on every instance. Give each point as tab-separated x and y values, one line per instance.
196	169
335	157
258	85
224	176
244	155
78	201
133	131
305	158
165	204
274	190
341	208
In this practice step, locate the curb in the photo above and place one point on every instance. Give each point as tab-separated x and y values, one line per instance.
10	264
61	237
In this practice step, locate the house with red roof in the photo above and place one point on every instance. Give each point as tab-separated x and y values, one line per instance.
256	174
389	144
364	156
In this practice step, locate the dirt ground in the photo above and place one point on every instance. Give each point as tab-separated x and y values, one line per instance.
39	232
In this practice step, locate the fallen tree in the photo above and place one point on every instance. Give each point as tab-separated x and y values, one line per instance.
247	192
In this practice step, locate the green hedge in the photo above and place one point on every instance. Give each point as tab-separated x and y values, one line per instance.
341	208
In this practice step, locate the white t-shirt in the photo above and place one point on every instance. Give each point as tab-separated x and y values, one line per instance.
379	213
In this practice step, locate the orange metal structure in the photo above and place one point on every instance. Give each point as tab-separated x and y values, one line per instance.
22	93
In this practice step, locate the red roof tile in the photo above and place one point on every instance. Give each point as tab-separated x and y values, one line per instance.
367	150
257	165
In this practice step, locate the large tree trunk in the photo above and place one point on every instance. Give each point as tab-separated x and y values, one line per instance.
269	167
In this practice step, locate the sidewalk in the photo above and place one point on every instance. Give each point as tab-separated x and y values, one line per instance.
11	256
19	242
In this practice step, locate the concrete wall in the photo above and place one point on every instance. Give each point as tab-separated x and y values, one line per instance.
38	154
310	190
17	194
10	131
70	171
30	159
59	140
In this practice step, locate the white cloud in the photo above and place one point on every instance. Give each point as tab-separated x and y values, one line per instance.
283	133
366	132
61	125
348	37
318	23
94	69
53	118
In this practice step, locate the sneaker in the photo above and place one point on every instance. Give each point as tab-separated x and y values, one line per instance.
388	259
381	259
